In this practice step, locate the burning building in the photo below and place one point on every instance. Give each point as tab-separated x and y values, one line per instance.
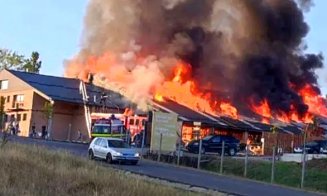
225	58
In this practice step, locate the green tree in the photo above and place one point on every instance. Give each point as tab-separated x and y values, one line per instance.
10	60
33	64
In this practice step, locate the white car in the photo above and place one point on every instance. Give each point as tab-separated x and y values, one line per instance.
113	150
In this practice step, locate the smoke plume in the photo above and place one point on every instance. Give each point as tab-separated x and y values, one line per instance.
244	50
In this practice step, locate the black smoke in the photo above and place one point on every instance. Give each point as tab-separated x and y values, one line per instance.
245	50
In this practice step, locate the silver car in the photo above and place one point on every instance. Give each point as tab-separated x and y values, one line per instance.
113	150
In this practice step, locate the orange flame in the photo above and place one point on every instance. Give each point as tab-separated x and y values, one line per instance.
158	97
184	91
264	110
316	103
128	112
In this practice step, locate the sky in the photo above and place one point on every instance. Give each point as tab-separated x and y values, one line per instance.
54	27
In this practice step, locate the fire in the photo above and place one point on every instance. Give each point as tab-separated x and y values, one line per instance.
128	112
316	103
263	109
158	97
184	91
227	108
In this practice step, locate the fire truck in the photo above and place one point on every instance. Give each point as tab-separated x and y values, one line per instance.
108	127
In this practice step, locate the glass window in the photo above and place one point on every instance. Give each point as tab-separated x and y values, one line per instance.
24	117
19	98
207	138
216	139
4	84
137	122
103	143
101	129
19	117
117	129
131	121
117	144
97	141
8	99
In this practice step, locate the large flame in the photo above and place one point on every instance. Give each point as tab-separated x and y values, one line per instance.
316	106
183	90
316	103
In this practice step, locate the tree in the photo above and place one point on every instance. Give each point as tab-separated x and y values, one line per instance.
33	64
2	111
48	112
12	60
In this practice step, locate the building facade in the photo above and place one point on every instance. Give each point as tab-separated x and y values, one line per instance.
61	106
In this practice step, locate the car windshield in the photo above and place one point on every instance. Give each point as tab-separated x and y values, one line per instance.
207	138
312	144
101	129
117	144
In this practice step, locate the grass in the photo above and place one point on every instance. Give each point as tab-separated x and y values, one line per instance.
286	173
32	170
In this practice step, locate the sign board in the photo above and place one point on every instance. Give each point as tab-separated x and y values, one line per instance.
165	124
197	124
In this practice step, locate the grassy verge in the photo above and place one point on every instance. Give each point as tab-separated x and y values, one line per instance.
288	174
32	170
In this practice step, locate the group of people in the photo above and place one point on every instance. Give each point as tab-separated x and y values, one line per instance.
14	128
34	134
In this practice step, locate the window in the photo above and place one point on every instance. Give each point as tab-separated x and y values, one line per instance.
117	144
8	99
101	129
24	117
12	117
4	84
117	129
19	98
103	143
131	121
19	116
97	141
137	122
216	139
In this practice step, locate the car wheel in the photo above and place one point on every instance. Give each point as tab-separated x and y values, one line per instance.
109	158
91	155
232	152
134	162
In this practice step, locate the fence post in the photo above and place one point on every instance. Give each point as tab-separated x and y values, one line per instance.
142	145
246	155
273	165
304	158
179	150
222	157
199	155
160	144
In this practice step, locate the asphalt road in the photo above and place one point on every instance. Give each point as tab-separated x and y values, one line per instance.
189	176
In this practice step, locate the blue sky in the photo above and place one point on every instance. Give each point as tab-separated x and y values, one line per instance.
53	28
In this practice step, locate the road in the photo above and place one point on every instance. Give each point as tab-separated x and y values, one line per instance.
189	176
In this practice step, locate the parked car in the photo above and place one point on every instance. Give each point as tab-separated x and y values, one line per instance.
112	150
213	143
314	147
324	150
